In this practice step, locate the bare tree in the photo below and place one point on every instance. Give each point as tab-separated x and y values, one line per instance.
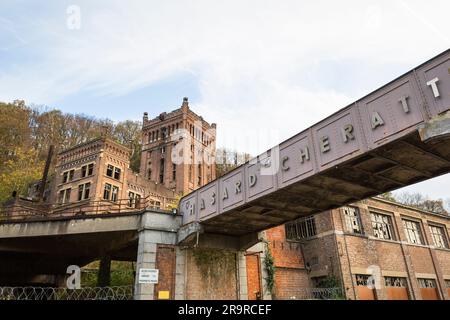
227	160
422	202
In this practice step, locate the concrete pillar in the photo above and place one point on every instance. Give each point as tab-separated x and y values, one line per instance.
180	274
242	275
146	259
104	272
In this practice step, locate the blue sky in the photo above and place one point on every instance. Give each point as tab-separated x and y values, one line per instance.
262	70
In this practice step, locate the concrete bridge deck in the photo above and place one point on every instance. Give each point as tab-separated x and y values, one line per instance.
393	137
47	246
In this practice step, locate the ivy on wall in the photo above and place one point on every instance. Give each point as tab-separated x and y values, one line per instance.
269	265
214	263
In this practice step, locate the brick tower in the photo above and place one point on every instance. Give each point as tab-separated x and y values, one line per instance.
178	149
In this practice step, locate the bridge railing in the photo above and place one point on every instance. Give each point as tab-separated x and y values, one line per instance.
29	211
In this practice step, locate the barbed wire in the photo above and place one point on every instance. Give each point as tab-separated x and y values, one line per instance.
309	294
50	293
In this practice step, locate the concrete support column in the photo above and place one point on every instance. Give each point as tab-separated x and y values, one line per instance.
104	272
242	275
180	274
146	259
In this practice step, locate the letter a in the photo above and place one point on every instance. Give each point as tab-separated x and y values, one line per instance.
376	120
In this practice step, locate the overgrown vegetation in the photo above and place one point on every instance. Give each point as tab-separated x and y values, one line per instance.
26	133
269	265
214	262
122	274
331	281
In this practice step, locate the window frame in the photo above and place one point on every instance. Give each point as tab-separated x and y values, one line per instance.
349	220
427	283
389	224
443	235
115	193
301	229
410	234
84	191
393	281
65	198
117	173
107	190
87	170
110	168
68	176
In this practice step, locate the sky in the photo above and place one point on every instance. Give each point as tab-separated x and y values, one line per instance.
262	70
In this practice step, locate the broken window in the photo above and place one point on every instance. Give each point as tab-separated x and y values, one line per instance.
114	193
155	204
90	169
382	226
301	228
107	191
65	177
352	220
117	173
174	172
133	199
161	171
83	191
68	176
363	280
413	231
113	172
109	170
427	283
395	282
87	170
438	235
64	196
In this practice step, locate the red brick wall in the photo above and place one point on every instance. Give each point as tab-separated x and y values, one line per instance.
165	263
289	282
286	254
253	276
290	275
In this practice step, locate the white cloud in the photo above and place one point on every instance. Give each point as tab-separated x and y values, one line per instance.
248	56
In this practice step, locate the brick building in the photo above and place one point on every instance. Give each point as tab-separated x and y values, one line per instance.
99	170
178	149
402	251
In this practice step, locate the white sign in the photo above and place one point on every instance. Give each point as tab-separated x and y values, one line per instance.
148	275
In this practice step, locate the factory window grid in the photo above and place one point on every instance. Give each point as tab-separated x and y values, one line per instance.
427	283
395	282
353	220
439	236
413	231
382	226
302	228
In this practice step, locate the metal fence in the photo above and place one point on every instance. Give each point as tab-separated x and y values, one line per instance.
49	293
26	210
310	294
